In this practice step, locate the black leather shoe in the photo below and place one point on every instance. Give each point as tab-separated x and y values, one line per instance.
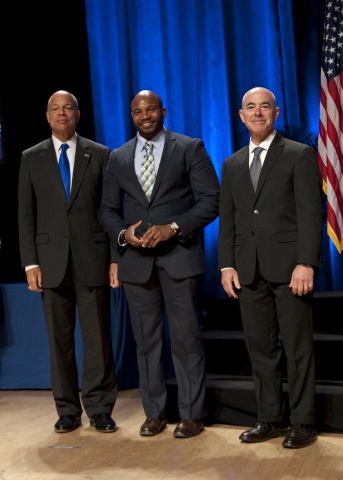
188	428
67	423
299	436
103	423
263	431
152	426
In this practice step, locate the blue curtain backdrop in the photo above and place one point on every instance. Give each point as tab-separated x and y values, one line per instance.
201	56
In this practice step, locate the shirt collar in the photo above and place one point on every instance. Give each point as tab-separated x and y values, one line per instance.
71	142
265	144
157	140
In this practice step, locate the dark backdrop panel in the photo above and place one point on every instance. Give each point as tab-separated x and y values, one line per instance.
42	50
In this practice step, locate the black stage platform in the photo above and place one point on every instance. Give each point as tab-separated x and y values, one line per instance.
230	391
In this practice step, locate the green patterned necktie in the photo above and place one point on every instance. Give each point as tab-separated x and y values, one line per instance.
148	174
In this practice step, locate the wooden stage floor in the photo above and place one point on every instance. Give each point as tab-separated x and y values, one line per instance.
31	450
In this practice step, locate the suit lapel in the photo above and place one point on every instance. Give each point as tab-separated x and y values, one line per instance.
50	168
275	149
169	146
82	158
243	165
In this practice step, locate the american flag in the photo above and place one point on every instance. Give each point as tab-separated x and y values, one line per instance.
330	141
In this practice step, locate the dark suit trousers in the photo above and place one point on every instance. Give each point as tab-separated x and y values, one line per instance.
99	386
146	304
267	309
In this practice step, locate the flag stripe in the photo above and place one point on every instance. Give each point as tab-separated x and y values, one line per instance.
330	141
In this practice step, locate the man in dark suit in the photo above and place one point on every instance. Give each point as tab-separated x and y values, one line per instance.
162	267
67	258
269	247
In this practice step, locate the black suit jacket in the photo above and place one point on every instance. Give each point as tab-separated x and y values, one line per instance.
186	191
49	226
282	223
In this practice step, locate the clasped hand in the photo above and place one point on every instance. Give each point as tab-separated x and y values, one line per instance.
152	237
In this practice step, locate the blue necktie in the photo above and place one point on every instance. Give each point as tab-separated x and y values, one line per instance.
64	167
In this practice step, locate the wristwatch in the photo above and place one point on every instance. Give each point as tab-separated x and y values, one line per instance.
122	237
174	228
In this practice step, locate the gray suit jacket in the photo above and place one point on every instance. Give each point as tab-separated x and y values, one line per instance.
282	223
186	191
49	226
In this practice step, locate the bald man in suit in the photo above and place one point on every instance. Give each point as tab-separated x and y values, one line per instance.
269	248
68	260
162	268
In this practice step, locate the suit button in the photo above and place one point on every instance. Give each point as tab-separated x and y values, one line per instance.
256	212
66	236
252	233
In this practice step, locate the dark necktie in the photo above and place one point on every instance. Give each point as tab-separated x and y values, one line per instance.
64	167
148	170
255	167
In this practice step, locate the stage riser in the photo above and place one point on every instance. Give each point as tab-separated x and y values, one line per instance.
233	402
230	389
230	357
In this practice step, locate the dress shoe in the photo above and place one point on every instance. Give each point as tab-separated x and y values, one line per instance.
67	423
152	426
263	431
103	423
299	435
188	428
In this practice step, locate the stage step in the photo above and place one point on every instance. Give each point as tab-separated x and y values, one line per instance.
231	400
227	354
230	390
